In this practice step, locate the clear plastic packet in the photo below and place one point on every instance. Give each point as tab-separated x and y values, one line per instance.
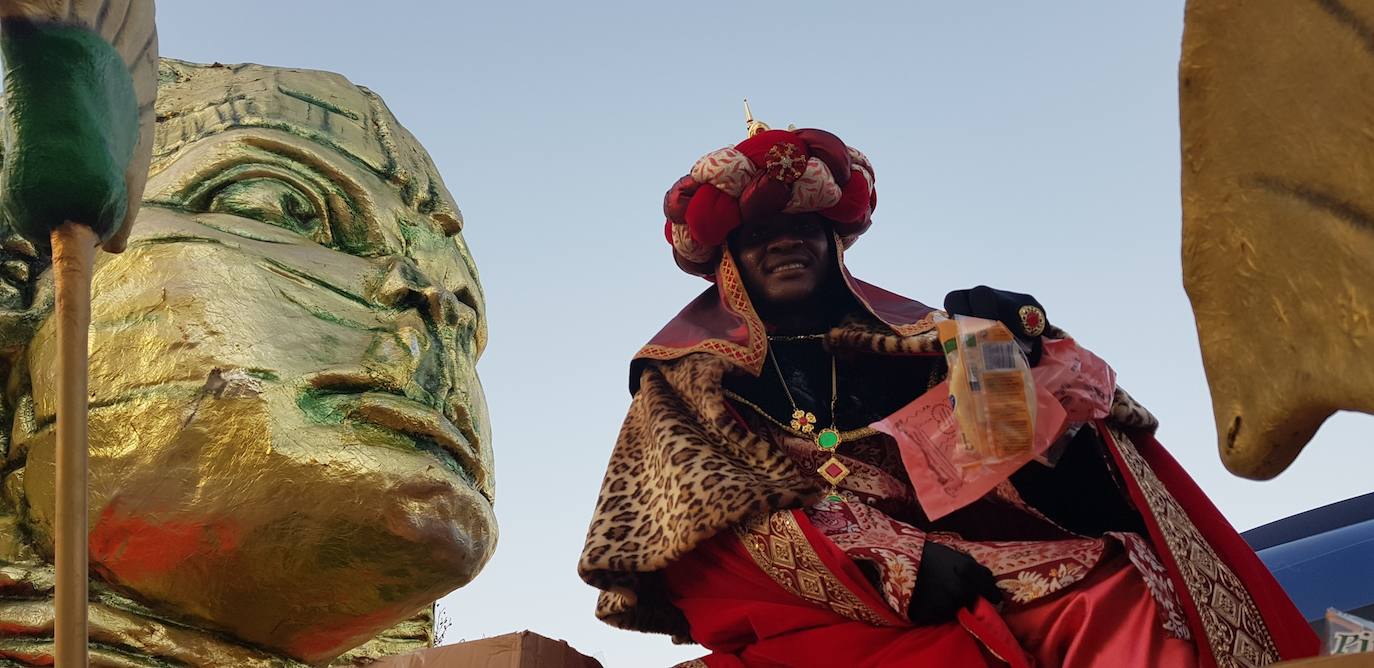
951	466
990	387
1348	634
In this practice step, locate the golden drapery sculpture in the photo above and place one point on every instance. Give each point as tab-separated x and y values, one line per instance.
1277	111
289	447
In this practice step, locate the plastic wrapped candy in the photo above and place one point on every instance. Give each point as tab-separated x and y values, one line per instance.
990	388
993	414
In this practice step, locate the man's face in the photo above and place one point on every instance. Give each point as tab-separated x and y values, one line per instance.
288	438
784	260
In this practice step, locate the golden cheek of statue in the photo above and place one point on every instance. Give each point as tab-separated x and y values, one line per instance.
289	446
1277	110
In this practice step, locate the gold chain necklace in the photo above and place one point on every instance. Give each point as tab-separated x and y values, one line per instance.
828	439
846	435
796	337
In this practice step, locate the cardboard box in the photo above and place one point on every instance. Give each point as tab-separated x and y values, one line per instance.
523	649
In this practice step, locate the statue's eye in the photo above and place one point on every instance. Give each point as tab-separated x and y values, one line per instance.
271	201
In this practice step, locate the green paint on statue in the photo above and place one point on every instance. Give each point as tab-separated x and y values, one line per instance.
71	125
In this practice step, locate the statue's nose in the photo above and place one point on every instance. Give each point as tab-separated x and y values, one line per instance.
434	327
404	285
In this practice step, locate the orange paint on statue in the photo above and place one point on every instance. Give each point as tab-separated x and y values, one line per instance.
29	658
131	548
320	644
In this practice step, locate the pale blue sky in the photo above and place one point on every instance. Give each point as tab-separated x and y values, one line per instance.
1025	145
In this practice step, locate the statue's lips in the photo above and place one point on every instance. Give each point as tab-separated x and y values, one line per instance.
416	419
423	423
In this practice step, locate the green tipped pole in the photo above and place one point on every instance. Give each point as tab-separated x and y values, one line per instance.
78	140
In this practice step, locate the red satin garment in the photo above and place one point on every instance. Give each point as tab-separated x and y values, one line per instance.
748	621
1108	619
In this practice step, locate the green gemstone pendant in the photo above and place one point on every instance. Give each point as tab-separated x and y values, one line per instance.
834	497
828	439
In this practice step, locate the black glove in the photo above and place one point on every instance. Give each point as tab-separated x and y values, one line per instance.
946	581
1022	314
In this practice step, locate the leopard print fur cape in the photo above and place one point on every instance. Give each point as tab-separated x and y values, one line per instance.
684	468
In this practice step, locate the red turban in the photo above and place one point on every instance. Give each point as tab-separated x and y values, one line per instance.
775	171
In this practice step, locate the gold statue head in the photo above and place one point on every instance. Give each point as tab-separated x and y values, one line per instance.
288	439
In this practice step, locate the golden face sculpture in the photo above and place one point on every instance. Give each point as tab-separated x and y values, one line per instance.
1278	217
288	439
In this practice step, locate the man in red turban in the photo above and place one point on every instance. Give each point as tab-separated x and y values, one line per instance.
748	505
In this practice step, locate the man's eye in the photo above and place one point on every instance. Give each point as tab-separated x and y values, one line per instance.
271	201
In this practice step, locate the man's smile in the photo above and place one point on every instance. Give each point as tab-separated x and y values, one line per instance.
792	264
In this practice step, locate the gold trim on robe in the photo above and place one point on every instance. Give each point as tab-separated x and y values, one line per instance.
779	547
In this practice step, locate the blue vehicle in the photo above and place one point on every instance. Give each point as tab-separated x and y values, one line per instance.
1323	558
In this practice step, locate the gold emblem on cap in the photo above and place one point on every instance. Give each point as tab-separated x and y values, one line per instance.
1032	320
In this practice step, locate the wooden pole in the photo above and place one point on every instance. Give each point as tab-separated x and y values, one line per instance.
73	253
